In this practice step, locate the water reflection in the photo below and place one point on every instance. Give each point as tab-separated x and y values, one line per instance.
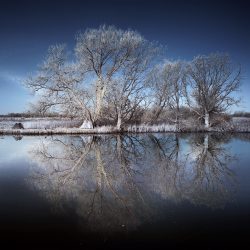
115	182
212	180
18	137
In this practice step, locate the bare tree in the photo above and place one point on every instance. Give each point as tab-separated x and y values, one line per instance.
166	82
107	60
124	101
60	85
177	72
127	92
160	90
212	81
116	60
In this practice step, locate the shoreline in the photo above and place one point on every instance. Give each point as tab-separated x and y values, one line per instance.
96	131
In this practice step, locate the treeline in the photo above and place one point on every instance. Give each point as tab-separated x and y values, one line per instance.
118	77
241	114
31	115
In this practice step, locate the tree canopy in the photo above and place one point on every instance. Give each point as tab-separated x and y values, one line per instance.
117	76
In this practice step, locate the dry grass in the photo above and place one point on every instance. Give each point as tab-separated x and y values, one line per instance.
236	125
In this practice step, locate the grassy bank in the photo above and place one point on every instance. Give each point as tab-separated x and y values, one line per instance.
49	126
244	127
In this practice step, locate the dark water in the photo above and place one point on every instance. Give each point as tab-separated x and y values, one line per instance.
161	191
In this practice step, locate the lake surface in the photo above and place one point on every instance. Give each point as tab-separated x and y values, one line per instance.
130	191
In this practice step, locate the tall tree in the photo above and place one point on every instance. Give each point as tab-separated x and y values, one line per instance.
113	55
128	91
106	60
211	83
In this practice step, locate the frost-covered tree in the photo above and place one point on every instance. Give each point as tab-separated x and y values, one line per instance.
166	81
159	84
60	85
124	101
116	60
127	92
211	83
106	60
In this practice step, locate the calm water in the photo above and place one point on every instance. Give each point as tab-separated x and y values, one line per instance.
87	192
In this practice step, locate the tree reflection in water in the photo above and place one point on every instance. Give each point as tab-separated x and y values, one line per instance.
114	182
212	181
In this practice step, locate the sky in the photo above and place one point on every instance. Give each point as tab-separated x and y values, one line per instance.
186	27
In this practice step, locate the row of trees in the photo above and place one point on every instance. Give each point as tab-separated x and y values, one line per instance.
117	76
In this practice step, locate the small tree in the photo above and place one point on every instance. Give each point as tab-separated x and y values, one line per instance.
159	83
211	83
124	100
166	82
177	72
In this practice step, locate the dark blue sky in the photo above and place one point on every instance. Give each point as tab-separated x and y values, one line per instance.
187	28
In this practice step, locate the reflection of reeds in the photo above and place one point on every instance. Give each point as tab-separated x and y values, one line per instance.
59	131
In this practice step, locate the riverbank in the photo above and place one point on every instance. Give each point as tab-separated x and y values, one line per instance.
49	126
56	131
130	129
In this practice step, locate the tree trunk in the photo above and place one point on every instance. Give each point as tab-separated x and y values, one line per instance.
119	121
100	91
